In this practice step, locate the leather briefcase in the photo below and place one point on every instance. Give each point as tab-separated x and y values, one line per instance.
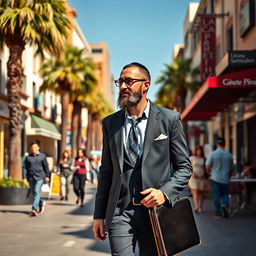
174	227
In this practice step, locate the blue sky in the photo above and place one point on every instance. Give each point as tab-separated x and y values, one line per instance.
135	30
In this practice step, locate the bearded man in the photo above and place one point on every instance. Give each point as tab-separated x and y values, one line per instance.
145	163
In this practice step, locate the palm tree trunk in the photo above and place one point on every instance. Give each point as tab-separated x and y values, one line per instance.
89	134
74	126
14	83
79	132
64	120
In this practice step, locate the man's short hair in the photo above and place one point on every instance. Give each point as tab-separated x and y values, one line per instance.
221	141
139	65
35	142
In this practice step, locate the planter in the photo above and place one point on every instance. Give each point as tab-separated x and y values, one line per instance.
14	196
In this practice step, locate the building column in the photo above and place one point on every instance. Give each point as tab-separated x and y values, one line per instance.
234	132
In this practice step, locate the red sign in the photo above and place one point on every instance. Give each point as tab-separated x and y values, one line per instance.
208	47
242	79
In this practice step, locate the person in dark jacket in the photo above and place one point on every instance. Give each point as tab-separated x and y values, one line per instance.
35	171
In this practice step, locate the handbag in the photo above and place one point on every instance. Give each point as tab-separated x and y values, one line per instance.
174	227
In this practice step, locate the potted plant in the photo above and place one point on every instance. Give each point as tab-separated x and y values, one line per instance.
13	192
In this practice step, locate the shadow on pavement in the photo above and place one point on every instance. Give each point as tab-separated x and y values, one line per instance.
87	209
14	211
87	234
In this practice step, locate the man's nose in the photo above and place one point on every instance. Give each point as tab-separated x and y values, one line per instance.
123	84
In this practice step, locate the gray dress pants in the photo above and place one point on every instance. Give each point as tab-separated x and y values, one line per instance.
130	227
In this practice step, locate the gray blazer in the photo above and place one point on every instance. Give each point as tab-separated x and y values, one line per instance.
165	162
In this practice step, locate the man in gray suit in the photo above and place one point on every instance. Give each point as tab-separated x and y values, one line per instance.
145	163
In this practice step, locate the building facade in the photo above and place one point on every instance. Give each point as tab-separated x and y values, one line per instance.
222	35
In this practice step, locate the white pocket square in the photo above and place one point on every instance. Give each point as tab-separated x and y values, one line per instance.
161	137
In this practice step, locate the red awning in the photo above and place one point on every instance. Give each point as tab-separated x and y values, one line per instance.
219	92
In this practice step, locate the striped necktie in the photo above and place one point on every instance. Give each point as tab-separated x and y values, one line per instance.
133	146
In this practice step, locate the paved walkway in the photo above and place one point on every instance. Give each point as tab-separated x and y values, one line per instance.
64	229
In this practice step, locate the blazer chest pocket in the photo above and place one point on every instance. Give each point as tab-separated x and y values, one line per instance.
162	141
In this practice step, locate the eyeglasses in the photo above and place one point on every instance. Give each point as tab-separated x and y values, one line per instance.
128	81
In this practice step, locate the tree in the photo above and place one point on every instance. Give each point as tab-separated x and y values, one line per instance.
43	23
174	81
78	99
67	75
98	108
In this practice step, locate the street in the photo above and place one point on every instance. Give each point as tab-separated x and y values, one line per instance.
64	229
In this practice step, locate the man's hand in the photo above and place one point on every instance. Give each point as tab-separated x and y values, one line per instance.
46	179
99	230
25	182
155	197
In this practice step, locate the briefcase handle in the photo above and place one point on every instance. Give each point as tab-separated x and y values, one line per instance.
160	246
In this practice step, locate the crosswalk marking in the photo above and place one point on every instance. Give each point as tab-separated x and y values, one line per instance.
68	244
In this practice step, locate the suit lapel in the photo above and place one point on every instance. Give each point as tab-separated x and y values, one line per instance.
151	130
118	138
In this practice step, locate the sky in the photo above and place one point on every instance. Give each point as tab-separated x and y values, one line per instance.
143	31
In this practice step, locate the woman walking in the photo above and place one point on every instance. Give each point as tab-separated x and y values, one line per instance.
196	182
65	174
82	166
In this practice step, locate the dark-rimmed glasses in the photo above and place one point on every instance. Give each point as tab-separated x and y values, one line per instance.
128	81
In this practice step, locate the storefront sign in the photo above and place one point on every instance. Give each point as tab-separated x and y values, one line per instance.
242	58
245	78
246	17
208	47
241	82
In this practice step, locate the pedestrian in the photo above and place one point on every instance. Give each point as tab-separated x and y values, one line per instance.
219	166
94	170
145	163
197	180
65	174
82	166
35	171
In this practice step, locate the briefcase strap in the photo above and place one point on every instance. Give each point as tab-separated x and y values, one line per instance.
161	250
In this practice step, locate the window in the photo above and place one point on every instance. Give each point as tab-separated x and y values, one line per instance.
97	50
247	17
34	96
230	39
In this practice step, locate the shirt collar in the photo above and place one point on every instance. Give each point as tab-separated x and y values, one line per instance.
145	114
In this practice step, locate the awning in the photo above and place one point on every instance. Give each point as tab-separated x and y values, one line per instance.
219	92
42	127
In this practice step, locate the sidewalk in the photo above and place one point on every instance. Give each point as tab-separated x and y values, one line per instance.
64	229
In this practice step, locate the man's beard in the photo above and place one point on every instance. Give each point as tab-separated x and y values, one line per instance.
125	102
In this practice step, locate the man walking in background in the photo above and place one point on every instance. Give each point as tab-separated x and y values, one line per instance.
35	171
219	166
145	163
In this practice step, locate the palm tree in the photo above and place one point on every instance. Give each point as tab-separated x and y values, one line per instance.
78	99
71	72
43	23
98	108
174	81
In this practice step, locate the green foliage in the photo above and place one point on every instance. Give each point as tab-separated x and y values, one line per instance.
175	83
98	105
41	22
71	71
11	183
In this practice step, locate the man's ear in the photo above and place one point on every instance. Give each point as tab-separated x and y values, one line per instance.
146	85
